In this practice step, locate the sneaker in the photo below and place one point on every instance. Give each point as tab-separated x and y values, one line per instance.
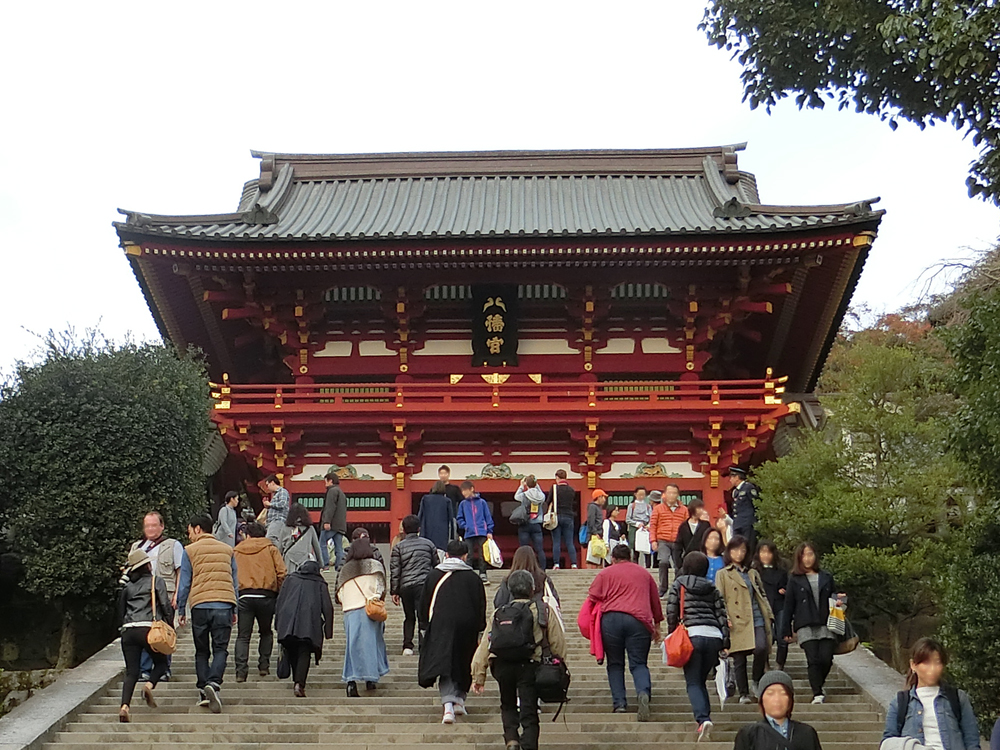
819	699
745	700
449	714
299	691
460	710
264	672
555	567
513	745
643	707
620	710
574	567
214	701
241	678
144	677
165	678
705	731
407	652
202	701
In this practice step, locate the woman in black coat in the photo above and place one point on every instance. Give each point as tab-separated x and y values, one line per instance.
691	534
807	608
453	605
768	563
304	617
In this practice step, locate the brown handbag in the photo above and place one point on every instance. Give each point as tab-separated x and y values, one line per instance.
162	637
374	607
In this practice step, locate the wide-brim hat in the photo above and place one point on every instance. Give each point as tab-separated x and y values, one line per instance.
136	559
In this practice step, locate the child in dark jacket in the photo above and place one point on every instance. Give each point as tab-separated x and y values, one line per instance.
776	729
695	600
768	563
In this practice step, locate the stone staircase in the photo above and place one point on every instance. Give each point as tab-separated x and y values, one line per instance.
262	713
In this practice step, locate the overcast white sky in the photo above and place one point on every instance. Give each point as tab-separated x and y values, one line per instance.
154	107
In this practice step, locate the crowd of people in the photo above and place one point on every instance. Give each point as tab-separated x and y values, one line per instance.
734	598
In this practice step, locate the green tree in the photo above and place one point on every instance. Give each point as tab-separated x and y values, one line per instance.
918	60
971	583
92	437
875	489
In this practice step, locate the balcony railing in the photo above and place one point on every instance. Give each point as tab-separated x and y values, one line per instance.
388	399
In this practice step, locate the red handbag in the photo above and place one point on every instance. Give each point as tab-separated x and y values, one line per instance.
678	644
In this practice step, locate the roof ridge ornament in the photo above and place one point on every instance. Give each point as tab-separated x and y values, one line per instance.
259	215
267	170
732	209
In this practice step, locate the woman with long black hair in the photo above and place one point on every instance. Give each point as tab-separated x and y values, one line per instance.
771	568
807	608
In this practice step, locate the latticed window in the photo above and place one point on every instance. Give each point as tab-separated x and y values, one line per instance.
640	291
349	294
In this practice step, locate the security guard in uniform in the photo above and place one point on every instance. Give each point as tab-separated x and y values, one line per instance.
745	496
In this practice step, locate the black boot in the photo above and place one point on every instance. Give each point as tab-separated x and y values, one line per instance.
371	685
352	690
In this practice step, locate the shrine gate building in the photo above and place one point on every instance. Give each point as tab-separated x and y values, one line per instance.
634	317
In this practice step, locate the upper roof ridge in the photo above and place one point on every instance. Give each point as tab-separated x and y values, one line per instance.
674	161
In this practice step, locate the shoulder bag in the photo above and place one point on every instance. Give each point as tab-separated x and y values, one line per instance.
374	607
551	519
162	638
677	647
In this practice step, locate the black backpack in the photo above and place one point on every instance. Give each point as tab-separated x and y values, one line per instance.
552	677
512	637
903	703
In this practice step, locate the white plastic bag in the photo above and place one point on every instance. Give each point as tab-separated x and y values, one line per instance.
721	677
492	554
642	541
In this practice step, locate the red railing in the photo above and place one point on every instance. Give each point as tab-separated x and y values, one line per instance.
389	398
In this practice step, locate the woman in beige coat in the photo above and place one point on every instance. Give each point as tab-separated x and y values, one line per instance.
750	616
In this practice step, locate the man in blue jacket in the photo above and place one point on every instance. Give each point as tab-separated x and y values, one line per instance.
475	524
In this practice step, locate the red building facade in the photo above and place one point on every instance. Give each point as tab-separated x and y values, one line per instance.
635	317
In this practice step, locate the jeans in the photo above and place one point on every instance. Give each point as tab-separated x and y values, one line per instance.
518	701
665	558
134	645
696	671
338	548
761	651
530	534
476	560
623	634
449	692
819	658
564	533
211	629
410	599
299	653
249	610
146	663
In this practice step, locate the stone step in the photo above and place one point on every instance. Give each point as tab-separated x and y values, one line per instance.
262	714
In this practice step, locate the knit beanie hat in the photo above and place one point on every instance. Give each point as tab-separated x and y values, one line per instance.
775	677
